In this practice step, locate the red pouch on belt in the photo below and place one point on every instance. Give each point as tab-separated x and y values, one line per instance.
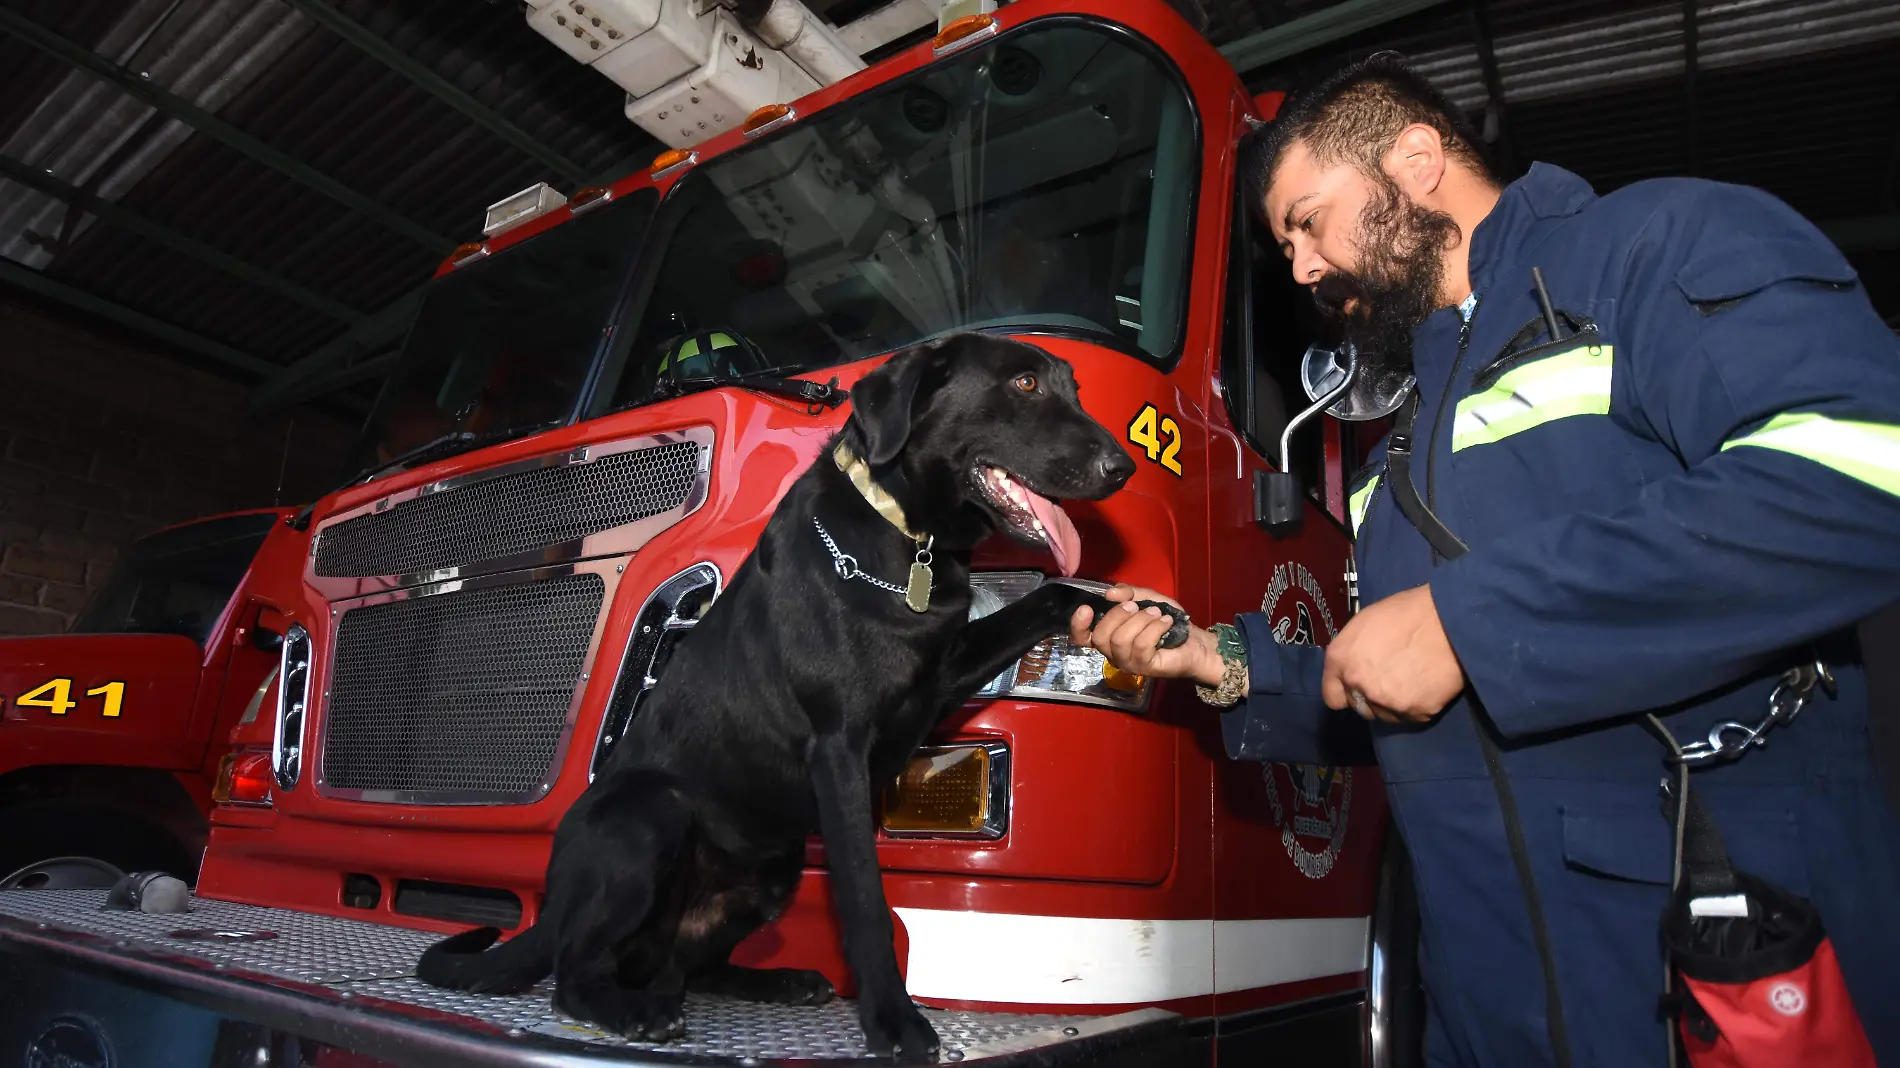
1757	982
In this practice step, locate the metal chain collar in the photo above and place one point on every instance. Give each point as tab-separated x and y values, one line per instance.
1730	739
846	565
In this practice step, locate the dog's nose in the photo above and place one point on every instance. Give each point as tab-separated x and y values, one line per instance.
1116	467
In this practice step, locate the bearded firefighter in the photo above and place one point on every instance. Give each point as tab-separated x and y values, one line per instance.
1667	461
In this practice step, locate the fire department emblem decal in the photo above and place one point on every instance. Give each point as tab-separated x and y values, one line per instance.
1312	813
1310	803
1294	602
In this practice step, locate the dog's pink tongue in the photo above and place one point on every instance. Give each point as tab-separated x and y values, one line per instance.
1063	541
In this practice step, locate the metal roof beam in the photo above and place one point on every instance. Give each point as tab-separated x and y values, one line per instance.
92	304
290	384
1316	30
1691	119
125	219
177	107
1868	233
441	88
1494	85
325	384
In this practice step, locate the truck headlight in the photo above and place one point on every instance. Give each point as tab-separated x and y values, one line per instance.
1055	669
293	696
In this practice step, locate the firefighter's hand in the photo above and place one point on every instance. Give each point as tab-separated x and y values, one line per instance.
1393	662
1128	636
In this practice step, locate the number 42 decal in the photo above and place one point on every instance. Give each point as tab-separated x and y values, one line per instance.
56	697
1148	428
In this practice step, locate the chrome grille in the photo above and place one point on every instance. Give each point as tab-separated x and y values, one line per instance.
509	514
458	697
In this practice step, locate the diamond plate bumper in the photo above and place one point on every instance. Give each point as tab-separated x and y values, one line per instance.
347	984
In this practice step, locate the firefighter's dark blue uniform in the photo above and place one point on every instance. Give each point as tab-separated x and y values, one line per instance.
1662	518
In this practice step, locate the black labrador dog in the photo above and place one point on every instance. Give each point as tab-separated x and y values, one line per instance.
807	681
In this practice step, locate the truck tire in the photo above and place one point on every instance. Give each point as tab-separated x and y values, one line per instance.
63	873
1395	994
40	830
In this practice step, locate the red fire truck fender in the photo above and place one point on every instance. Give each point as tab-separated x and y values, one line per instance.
123	700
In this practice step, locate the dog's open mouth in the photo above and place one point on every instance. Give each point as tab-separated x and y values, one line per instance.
1031	516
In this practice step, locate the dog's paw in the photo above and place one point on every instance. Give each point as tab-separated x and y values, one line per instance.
805	987
636	1014
1177	634
896	1029
791	986
651	1018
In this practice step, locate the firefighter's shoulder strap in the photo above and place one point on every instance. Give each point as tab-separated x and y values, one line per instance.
1447	545
1398	468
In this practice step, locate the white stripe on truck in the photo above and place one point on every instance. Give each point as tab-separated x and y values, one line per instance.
1077	960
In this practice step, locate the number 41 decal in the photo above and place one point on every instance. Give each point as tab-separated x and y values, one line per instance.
1143	432
56	697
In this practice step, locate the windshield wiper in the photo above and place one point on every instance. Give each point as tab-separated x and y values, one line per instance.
302	519
434	449
819	394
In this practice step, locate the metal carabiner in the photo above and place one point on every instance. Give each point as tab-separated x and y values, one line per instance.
1796	689
1785	702
1718	747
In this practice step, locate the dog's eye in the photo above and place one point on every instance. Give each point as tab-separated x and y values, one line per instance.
1026	383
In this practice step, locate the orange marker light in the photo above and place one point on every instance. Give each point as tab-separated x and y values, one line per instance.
672	160
964	32
942	790
473	250
768	118
592	196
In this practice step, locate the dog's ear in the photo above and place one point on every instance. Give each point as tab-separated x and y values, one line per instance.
882	402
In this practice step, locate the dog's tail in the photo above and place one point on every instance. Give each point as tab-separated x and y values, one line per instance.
459	962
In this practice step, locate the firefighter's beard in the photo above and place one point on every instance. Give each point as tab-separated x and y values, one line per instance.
1396	284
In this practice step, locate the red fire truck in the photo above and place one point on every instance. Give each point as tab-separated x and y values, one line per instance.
595	412
111	735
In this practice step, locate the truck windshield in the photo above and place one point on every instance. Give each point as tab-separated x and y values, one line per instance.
176	581
504	345
1042	182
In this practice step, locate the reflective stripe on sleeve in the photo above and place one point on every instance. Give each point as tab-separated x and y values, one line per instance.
1357	503
1869	452
1556	387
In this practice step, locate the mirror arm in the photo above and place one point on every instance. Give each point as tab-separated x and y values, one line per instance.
1318	406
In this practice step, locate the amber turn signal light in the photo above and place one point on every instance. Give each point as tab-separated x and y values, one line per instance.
950	791
243	779
591	197
671	160
768	118
1122	681
964	32
465	253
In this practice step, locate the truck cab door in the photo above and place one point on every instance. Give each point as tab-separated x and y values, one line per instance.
1297	846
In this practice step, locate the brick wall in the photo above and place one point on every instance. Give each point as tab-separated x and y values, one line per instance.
104	438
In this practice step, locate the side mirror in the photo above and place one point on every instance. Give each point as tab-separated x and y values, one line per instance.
267	634
1278	498
1365	397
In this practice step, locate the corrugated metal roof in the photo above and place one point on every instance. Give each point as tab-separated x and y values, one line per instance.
276	75
1797	96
